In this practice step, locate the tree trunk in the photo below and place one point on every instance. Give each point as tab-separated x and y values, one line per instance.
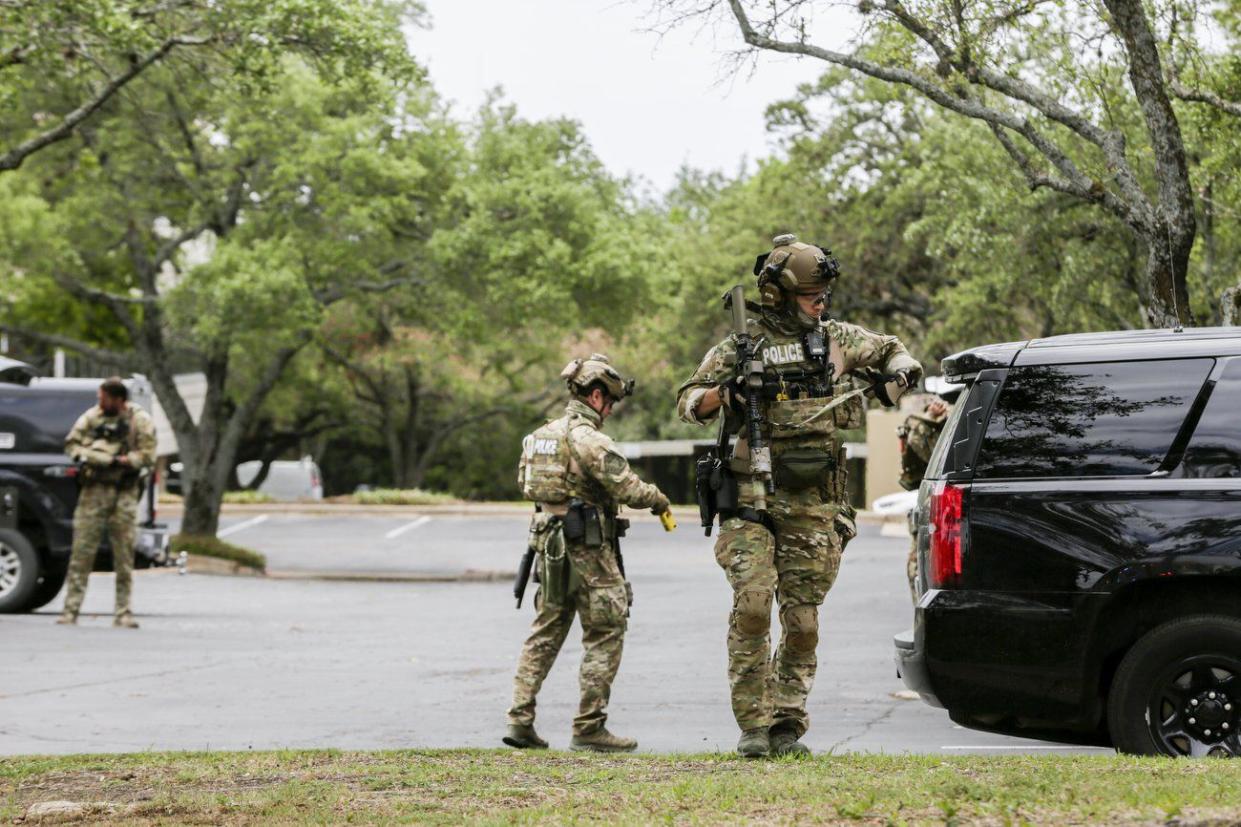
202	504
1167	262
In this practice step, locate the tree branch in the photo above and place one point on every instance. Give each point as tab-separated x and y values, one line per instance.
99	354
15	157
1136	211
1195	95
334	294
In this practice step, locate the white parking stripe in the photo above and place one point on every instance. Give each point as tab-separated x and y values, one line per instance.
399	530
251	523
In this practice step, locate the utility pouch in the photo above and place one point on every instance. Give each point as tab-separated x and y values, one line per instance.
622	526
594	526
802	468
554	569
574	522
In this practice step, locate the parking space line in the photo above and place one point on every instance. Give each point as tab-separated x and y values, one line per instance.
399	530
251	523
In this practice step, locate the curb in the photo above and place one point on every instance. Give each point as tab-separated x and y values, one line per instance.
467	576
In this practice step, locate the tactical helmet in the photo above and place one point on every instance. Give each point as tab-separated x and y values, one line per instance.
580	374
790	268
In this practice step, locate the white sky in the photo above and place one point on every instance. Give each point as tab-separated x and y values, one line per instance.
648	104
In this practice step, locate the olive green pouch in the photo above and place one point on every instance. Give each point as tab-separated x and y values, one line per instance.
553	566
801	468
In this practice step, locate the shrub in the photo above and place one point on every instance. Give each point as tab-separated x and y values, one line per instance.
401	496
247	497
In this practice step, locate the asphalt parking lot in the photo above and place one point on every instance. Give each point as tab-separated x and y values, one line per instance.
250	663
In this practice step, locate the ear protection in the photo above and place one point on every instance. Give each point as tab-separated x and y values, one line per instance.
773	280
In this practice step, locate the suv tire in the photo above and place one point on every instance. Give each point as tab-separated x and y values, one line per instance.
50	584
19	571
1178	690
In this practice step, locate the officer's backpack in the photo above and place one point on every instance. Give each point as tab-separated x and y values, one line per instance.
543	471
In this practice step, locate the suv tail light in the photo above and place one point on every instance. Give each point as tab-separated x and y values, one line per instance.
944	560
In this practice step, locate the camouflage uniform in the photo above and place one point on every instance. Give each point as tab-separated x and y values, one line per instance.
109	495
597	592
918	435
797	566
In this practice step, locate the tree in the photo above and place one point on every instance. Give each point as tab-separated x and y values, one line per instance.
1076	96
532	242
214	223
64	62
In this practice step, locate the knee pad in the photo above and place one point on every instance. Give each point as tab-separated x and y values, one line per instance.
801	628
752	613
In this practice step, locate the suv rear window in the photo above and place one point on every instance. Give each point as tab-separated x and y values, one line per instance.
1215	449
1102	419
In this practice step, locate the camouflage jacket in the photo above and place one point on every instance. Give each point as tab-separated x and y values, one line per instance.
918	434
599	473
852	349
96	440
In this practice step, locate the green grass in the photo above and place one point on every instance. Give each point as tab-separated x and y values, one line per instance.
398	496
214	547
496	787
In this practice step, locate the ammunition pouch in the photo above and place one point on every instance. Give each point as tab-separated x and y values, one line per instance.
800	468
586	524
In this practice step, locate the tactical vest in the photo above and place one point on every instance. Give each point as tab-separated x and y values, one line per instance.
801	377
543	471
548	471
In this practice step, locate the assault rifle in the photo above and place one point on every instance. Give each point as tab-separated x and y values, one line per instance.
750	374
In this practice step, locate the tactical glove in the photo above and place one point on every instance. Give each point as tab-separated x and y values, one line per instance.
661	505
732	395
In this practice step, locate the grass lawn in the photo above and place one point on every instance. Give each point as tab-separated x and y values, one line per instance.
450	786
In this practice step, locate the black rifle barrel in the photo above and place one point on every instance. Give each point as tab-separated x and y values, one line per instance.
523	575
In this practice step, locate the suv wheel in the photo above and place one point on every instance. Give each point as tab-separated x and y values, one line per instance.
1178	690
19	571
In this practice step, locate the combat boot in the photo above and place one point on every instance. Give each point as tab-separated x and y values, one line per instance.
754	743
602	741
523	736
784	742
125	621
67	618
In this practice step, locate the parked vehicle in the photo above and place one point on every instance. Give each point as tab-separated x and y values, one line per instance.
286	480
1079	543
38	486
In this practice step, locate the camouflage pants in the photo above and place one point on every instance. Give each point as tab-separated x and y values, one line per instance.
603	613
795	568
103	508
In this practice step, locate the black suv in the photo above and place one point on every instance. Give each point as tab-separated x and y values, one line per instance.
38	488
1079	543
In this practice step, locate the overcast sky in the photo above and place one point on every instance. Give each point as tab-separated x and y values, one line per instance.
648	104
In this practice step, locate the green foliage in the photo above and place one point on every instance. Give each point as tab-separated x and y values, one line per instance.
399	496
214	547
247	498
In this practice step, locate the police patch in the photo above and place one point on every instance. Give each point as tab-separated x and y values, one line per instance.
783	354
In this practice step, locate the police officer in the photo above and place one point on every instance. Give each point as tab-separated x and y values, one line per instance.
790	552
918	435
577	478
114	444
